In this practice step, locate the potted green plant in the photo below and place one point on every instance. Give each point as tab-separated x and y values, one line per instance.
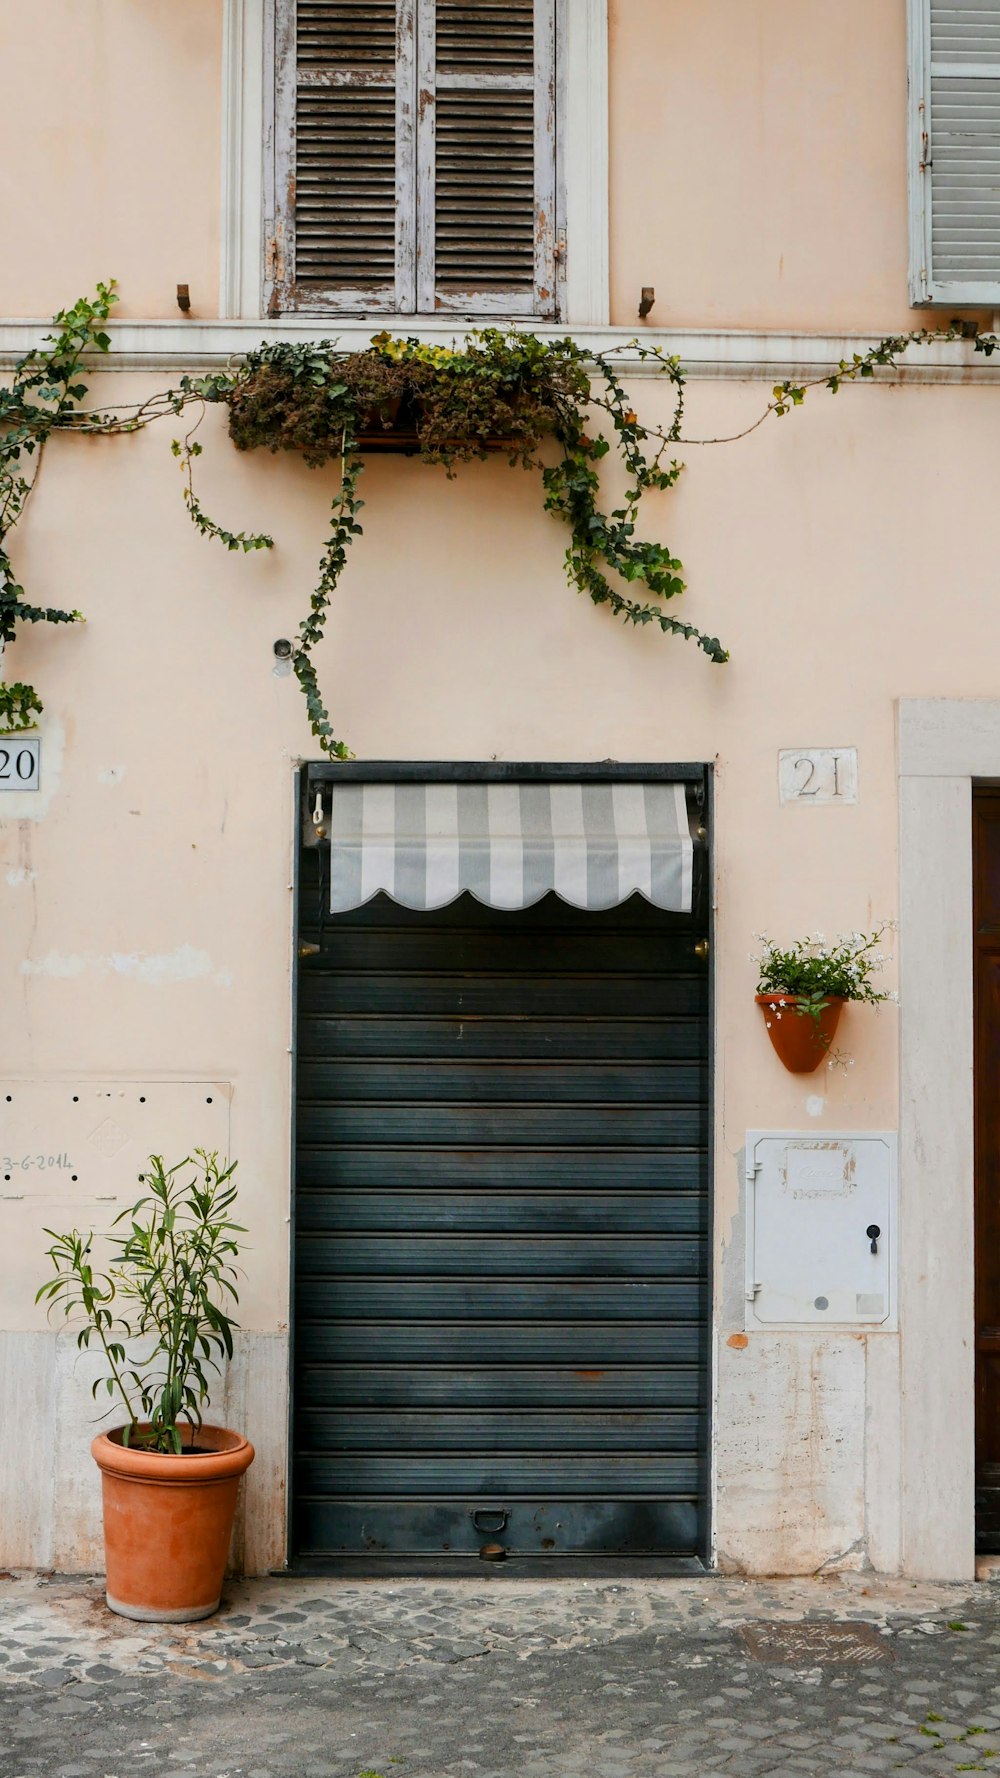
802	990
159	1313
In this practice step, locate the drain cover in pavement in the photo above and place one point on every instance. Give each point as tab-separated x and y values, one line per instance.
815	1645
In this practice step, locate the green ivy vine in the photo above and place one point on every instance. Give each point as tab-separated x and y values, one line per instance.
42	397
503	390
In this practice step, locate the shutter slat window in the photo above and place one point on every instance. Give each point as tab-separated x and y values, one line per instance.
346	33
343	194
487	241
415	156
956	89
484	234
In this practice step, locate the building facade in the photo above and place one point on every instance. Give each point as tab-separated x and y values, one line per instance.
539	1230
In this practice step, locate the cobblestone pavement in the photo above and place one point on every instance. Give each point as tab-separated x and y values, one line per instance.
499	1678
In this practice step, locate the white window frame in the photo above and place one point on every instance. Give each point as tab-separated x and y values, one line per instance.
247	150
926	291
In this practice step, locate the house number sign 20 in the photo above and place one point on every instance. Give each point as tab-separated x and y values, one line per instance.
20	762
818	775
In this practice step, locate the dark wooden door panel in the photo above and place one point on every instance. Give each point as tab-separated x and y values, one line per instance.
986	923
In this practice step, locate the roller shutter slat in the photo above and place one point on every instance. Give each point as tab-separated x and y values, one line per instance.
495	1081
605	1434
645	1386
485	1474
614	1255
420	1167
584	1345
438	1212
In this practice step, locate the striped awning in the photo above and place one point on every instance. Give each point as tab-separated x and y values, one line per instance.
510	844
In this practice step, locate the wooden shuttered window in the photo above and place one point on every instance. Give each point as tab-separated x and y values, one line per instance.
955	151
414	156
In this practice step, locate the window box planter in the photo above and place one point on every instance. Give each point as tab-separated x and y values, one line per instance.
395	427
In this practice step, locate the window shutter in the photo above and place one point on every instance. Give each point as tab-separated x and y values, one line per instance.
414	156
344	154
486	156
955	151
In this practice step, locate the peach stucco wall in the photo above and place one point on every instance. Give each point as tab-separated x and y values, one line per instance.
838	587
758	174
808	551
758	163
846	555
110	145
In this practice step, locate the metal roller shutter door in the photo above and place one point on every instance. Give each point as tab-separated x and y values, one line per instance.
501	1230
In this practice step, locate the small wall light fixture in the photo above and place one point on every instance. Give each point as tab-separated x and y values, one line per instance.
183	298
647	300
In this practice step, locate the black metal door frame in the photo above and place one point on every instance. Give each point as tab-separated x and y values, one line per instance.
312	775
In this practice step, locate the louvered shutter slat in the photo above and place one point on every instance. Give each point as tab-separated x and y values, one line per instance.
345	192
346	33
484	212
964	135
488	39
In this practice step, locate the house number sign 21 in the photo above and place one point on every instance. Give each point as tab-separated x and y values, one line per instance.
818	775
20	762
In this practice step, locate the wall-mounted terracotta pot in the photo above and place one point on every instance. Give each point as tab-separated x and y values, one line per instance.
168	1522
801	1041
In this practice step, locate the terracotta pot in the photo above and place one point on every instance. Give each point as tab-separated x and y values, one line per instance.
168	1522
801	1041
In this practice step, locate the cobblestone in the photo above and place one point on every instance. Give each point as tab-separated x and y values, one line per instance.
496	1678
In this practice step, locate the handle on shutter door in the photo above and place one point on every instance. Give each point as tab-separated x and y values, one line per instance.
481	1513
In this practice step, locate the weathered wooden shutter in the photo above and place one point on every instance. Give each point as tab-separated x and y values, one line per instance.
344	179
955	151
486	156
414	156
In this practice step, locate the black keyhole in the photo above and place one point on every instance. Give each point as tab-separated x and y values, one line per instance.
873	1232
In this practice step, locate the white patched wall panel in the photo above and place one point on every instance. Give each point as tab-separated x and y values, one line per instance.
790	1453
71	1156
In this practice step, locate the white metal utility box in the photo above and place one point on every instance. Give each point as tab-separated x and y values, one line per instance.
821	1229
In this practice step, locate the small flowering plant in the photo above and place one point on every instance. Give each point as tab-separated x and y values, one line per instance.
812	973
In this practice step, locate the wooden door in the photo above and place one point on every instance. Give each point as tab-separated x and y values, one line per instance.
986	914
